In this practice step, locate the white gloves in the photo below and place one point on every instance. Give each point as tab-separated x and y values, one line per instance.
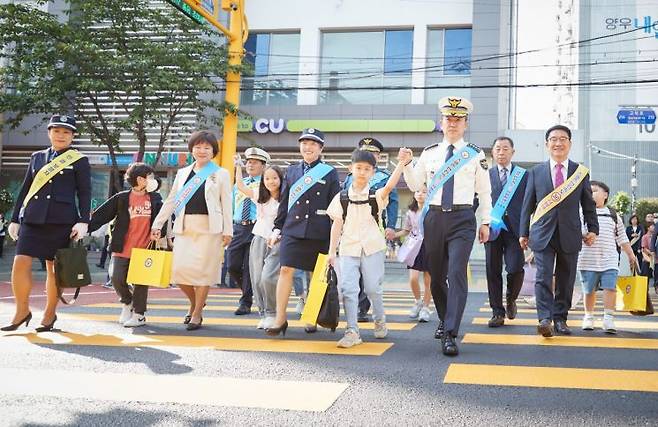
79	231
13	229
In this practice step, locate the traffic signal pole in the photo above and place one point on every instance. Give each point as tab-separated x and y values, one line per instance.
236	35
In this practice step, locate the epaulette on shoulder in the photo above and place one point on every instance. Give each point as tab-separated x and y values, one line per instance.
429	147
475	147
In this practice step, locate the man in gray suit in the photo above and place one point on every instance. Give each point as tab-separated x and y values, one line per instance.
554	192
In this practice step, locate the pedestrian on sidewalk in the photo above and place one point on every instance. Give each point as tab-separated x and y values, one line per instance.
648	259
599	263
302	223
201	199
356	214
133	212
454	171
634	232
3	232
263	260
411	226
46	216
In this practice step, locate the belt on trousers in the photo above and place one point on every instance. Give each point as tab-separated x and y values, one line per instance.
244	222
454	208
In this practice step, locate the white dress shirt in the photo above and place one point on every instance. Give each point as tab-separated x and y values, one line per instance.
472	178
565	169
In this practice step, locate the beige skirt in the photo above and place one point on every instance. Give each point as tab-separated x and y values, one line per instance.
198	255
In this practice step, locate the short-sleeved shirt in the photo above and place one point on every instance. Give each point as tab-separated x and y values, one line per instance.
265	215
361	233
646	241
412	222
603	255
139	227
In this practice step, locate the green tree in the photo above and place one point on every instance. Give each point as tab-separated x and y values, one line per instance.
645	206
6	201
621	202
150	60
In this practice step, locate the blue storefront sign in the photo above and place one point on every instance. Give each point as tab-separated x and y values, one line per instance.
645	116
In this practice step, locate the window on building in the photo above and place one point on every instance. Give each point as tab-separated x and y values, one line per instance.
369	65
448	62
274	61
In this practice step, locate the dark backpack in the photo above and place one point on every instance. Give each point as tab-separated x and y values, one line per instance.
372	200
330	308
615	218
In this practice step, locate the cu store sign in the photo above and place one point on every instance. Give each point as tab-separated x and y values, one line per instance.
269	125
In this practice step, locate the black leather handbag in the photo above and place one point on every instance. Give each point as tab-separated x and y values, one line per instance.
330	308
71	270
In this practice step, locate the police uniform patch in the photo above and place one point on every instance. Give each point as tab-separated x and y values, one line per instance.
484	164
311	130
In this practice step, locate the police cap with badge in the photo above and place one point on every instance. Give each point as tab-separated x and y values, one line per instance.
371	144
455	106
256	153
62	121
312	134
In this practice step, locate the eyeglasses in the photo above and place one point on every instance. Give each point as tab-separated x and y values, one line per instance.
556	139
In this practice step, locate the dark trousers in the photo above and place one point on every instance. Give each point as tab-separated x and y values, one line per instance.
449	238
2	245
553	261
139	294
106	242
505	247
238	261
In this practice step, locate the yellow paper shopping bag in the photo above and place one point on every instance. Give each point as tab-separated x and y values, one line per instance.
631	293
316	290
150	267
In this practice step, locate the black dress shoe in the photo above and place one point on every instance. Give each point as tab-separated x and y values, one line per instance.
496	321
278	330
561	328
545	328
15	326
310	329
187	319
242	310
449	346
48	327
362	317
194	326
511	309
438	334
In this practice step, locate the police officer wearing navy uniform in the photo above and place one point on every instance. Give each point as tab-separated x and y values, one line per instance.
46	217
450	224
302	223
504	245
244	218
390	217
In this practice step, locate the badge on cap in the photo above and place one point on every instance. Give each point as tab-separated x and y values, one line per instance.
64	119
367	141
311	130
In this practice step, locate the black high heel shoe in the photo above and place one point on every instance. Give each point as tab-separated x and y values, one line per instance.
194	326
15	326
187	319
276	331
48	327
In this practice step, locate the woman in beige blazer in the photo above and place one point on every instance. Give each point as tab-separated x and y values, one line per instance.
202	228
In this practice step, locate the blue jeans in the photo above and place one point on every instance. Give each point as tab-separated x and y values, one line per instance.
591	280
371	269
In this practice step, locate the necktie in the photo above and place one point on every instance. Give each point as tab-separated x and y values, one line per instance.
449	186
503	177
246	204
559	176
306	167
53	154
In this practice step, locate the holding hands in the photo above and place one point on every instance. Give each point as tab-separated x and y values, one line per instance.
405	155
589	238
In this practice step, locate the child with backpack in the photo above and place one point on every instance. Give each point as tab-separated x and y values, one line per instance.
356	214
599	263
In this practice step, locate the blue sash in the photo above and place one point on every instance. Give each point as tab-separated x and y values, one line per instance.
377	178
185	194
458	160
503	201
308	180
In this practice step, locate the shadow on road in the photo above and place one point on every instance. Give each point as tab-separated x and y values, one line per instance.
124	416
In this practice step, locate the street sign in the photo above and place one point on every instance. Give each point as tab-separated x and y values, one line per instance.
187	10
645	116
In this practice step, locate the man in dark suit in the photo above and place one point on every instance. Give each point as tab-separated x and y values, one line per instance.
505	245
555	236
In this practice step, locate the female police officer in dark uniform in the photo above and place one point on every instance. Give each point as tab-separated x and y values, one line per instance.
46	217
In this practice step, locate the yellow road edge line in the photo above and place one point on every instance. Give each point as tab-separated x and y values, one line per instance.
562	341
630	324
548	377
217	343
534	311
393	326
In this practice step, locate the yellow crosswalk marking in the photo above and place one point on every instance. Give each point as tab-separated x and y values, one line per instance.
155	302
213	308
534	311
547	377
251	322
215	391
218	343
561	341
620	324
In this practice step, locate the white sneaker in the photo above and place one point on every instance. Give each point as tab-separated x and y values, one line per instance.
350	339
380	329
135	321
609	325
424	315
126	313
415	309
588	323
261	324
300	306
